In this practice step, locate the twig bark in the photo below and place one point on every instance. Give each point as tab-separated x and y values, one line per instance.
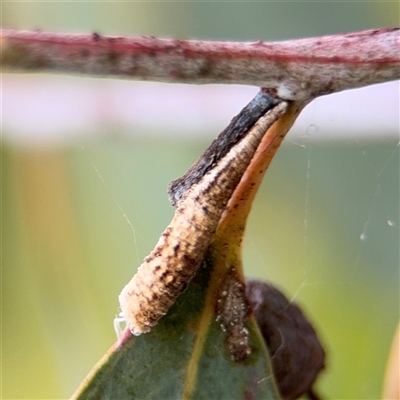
296	69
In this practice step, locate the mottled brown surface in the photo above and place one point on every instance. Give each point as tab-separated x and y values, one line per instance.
296	352
232	311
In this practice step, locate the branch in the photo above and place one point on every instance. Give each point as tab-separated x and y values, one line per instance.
296	69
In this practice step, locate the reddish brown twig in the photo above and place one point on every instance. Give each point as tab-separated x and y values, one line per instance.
297	69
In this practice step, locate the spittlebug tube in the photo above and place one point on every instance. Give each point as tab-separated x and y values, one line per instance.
232	134
167	270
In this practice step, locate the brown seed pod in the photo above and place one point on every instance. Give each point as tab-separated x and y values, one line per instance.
166	272
296	353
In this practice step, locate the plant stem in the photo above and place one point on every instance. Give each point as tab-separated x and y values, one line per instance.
298	69
232	225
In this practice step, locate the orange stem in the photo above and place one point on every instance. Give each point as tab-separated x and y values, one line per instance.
231	228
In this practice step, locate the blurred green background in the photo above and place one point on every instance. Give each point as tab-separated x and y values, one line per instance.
324	227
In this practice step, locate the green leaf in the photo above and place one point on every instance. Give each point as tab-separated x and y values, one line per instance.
184	356
189	355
